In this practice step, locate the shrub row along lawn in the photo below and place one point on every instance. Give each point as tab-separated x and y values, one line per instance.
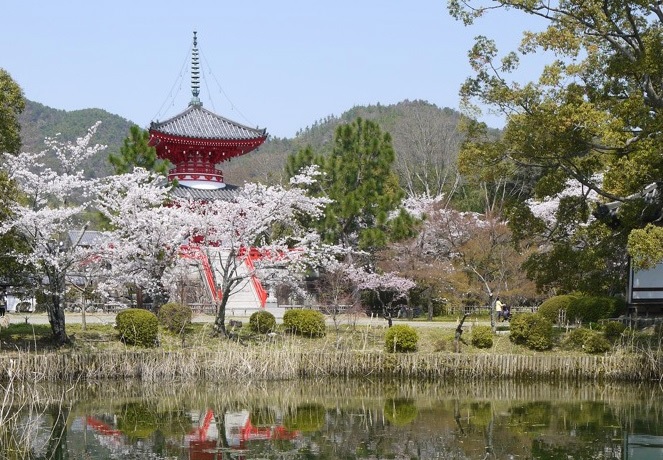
526	337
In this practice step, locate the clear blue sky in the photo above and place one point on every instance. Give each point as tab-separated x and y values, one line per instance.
279	65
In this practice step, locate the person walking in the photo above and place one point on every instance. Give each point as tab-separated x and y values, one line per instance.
499	309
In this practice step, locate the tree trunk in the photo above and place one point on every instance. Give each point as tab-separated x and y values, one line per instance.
139	297
459	333
56	310
491	305
83	321
430	308
220	320
385	311
159	297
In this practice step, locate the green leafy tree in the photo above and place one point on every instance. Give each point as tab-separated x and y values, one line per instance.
359	178
12	271
11	106
593	116
135	152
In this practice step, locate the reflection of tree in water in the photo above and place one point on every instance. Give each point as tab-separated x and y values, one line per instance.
57	443
400	411
358	421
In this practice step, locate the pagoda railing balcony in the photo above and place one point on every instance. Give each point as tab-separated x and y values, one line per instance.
200	173
202	168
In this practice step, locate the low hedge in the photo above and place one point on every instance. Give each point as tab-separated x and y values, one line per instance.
597	343
613	330
137	327
587	340
575	339
551	307
592	309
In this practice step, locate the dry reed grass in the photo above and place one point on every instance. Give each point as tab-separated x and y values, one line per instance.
237	362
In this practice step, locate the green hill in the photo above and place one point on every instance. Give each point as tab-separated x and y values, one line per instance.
426	139
39	121
424	136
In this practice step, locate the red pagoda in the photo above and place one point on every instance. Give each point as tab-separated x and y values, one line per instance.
196	141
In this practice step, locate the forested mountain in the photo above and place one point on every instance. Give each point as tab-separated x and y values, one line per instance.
39	121
425	137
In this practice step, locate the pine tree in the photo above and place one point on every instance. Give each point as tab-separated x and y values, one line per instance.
135	152
360	179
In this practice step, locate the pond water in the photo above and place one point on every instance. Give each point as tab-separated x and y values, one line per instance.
333	420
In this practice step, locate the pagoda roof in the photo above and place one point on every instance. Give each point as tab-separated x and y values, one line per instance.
199	123
226	193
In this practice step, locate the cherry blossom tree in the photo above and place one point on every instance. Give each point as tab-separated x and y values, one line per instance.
89	269
547	209
54	201
147	231
461	254
256	232
264	224
388	288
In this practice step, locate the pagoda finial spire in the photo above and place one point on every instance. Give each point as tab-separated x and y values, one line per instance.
195	73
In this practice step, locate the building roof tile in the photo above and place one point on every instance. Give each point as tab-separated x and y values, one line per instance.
197	122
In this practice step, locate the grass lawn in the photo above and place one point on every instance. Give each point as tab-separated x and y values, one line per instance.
347	336
99	337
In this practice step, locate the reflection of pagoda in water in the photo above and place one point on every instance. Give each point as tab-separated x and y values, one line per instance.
205	440
197	141
238	432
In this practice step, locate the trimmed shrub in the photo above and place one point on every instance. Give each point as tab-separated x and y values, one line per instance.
290	318
586	340
592	309
137	327
482	336
401	338
613	330
520	325
532	330
597	343
175	317
308	323
262	322
550	308
541	334
575	338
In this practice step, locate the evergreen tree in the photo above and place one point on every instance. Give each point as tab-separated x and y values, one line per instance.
12	272
135	152
359	178
11	106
